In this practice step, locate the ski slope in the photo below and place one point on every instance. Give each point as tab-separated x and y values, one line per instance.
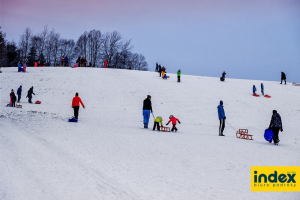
109	155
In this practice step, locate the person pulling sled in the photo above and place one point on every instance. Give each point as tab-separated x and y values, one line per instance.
174	122
275	126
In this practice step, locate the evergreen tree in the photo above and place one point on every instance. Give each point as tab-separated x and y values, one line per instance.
31	56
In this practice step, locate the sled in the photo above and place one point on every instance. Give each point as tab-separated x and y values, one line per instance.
243	134
73	120
267	96
18	106
165	129
256	95
296	84
38	102
268	135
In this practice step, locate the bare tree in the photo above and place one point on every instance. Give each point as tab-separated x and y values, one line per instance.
24	43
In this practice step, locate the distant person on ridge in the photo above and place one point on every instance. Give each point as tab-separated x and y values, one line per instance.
178	75
19	93
66	61
254	90
283	77
29	94
262	89
19	66
159	70
147	107
275	126
223	76
222	118
156	68
75	105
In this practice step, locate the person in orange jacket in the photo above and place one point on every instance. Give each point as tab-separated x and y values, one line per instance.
75	105
174	121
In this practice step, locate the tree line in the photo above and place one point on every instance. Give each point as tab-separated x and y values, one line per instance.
48	48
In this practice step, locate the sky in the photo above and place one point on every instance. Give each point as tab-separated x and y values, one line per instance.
254	39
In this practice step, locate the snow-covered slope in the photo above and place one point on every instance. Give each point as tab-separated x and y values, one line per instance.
108	154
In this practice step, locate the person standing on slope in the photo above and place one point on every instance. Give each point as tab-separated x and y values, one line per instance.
254	90
262	89
178	75
283	77
29	94
159	70
275	126
223	76
174	121
156	68
75	105
222	118
147	107
19	93
13	98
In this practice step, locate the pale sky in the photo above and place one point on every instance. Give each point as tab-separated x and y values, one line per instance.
254	39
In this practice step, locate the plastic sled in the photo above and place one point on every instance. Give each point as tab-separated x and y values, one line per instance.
38	102
256	95
73	120
268	135
267	96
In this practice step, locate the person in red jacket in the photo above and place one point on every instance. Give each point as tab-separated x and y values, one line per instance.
174	121
75	104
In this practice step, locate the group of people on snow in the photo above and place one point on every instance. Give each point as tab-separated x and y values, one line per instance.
81	61
22	68
13	97
147	108
64	61
163	73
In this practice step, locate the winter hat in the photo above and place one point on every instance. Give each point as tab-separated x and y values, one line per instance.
148	96
221	103
170	116
274	111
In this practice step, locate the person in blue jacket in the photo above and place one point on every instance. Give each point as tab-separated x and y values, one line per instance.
66	61
262	89
19	66
19	93
254	89
222	118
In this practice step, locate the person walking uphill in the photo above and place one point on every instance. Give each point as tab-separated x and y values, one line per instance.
75	105
283	77
147	107
275	126
262	89
19	93
222	118
178	75
174	121
29	94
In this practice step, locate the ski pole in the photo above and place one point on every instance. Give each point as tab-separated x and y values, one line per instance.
230	125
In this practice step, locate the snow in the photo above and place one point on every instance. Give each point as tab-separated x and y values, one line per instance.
108	154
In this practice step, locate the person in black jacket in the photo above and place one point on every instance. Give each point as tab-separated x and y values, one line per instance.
19	93
275	126
159	70
223	76
283	77
13	98
147	107
29	94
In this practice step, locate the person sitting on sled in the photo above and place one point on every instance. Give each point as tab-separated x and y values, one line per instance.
165	76
174	121
158	120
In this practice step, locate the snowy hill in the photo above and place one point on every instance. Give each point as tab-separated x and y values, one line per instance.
108	154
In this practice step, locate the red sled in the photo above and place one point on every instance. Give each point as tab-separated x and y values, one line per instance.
267	96
38	102
256	95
